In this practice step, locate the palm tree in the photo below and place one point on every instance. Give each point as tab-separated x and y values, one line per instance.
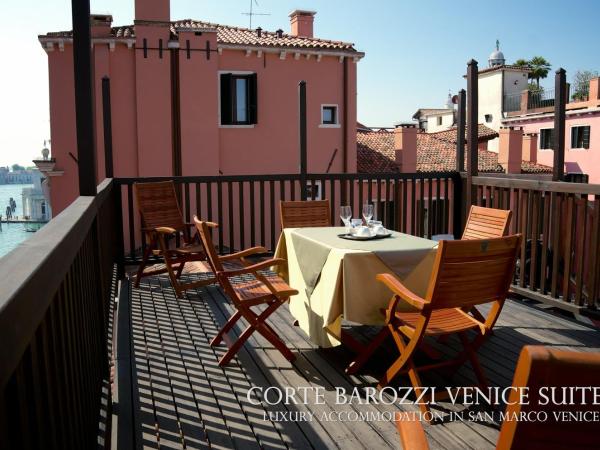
539	68
521	62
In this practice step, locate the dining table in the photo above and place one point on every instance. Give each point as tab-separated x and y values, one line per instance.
336	277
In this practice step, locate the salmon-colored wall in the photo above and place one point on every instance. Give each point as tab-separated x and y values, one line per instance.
576	160
142	116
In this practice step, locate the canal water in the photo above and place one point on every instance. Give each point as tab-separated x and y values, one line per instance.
12	234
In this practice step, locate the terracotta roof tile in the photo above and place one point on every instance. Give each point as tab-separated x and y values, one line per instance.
234	36
436	152
429	111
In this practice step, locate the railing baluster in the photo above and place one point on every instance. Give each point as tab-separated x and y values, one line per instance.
231	245
580	235
252	216
220	214
198	201
533	257
209	205
545	241
262	214
242	217
272	213
594	253
430	212
131	221
568	237
556	239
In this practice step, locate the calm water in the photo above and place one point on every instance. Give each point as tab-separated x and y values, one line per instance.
14	233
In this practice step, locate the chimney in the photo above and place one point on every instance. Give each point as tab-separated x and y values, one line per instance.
153	10
302	23
510	149
530	143
100	25
594	89
405	147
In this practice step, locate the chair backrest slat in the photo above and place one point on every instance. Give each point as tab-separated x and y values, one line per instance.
472	272
158	205
485	223
301	214
546	368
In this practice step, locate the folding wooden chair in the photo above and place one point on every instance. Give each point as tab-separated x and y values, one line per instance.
301	214
485	223
247	287
465	274
162	219
538	367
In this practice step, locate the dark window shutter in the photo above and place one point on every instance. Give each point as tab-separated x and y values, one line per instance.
252	99
226	99
586	137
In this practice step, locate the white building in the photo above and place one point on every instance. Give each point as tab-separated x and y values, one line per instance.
498	84
436	119
35	204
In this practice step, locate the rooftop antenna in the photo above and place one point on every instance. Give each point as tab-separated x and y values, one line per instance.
251	13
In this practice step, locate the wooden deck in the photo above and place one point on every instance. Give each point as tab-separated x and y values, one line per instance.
172	394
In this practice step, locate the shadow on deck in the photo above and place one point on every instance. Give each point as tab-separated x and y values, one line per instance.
173	394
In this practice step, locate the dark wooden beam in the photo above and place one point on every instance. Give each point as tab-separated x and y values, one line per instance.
107	126
84	97
560	100
460	131
472	135
302	137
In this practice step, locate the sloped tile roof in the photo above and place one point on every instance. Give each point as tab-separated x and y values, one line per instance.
233	36
436	152
429	111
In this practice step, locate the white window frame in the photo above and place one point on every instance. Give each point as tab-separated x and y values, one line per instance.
317	184
579	149
540	140
232	72
337	116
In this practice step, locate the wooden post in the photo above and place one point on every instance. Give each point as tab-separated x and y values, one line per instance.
302	136
460	132
107	125
472	134
84	102
560	98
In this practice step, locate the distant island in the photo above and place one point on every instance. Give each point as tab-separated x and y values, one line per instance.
17	174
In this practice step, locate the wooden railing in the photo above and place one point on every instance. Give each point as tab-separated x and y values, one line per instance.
247	207
559	262
54	304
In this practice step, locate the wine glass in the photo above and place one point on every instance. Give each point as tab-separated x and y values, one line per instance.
346	214
367	212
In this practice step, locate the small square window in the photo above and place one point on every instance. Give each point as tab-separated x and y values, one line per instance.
546	138
580	137
439	120
488	118
329	115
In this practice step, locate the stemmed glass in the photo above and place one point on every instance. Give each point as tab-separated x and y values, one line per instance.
346	215
367	212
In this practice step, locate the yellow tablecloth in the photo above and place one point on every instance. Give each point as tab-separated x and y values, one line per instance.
346	286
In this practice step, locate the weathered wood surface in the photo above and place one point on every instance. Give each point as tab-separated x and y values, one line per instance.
181	398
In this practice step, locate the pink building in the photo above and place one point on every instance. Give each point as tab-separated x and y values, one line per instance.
196	98
582	133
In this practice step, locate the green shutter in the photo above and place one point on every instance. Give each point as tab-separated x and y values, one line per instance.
226	99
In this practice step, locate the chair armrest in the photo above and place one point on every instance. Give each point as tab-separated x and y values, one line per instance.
165	230
253	268
243	253
412	435
401	291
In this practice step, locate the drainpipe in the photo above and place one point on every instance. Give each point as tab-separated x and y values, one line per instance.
346	118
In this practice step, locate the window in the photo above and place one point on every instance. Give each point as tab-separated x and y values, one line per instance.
439	120
546	138
488	118
329	115
238	99
313	190
580	137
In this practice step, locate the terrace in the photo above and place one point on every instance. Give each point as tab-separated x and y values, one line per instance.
90	360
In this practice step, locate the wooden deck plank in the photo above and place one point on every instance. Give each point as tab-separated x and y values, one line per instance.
182	397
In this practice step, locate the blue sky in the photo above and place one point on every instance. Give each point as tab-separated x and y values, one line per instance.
415	51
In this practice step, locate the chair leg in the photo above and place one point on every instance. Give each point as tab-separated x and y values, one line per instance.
228	326
396	367
180	269
368	351
142	266
472	357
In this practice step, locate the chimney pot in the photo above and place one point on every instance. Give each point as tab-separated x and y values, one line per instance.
279	33
510	148
405	147
259	32
301	23
153	10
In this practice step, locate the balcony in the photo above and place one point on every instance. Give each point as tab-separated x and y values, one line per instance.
90	360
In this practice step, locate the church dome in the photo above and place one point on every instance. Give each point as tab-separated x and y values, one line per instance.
496	57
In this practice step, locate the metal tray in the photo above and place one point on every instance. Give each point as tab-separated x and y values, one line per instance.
352	237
